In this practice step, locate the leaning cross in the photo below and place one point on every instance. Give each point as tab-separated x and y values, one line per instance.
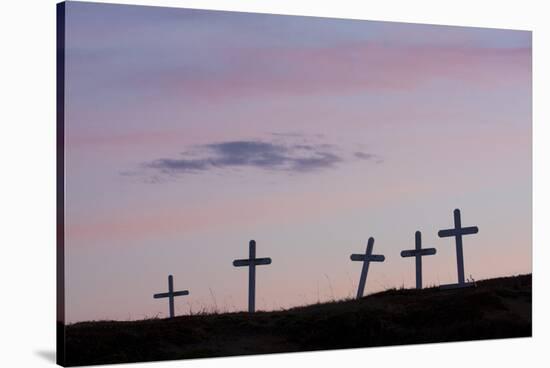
251	263
418	253
366	258
457	233
171	294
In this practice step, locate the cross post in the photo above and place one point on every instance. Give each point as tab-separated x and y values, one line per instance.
418	253
251	263
366	258
457	233
170	295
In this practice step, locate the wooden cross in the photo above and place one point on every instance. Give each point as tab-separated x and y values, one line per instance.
418	253
251	263
170	295
457	233
366	258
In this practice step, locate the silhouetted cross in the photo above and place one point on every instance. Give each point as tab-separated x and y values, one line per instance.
457	233
418	253
366	258
251	263
170	295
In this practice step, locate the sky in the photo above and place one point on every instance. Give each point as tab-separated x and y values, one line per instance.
190	132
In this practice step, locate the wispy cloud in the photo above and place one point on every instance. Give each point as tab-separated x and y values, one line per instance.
342	69
363	155
270	155
368	156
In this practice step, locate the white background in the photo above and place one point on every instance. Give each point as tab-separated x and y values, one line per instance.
27	169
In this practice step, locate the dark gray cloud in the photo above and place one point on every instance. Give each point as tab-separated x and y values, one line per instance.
368	156
293	153
253	153
364	156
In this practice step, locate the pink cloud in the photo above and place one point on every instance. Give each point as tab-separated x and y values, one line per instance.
231	214
346	69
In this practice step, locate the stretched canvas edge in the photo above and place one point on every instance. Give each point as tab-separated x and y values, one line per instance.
60	182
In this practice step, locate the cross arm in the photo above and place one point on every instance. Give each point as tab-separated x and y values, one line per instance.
470	230
180	293
372	257
241	262
376	258
262	261
167	295
357	257
247	262
422	252
454	232
446	233
408	253
161	295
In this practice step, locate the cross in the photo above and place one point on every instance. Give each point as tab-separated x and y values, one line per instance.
366	258
251	263
170	295
457	233
418	253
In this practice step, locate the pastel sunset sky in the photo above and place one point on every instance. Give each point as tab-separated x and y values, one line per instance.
190	132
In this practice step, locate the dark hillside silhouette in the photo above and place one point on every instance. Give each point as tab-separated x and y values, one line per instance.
496	308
